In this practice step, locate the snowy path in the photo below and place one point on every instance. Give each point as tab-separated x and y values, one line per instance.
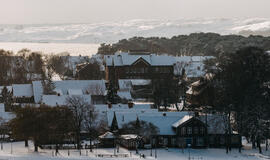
19	152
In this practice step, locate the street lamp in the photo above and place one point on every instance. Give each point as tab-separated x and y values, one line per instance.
151	141
11	147
156	150
2	144
189	145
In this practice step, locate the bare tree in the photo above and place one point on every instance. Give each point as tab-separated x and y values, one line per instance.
80	108
90	123
95	89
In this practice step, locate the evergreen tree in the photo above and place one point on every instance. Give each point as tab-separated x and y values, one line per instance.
114	125
239	87
47	84
7	98
112	94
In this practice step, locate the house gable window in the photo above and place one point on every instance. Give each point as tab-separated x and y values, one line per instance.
196	130
183	130
189	130
202	130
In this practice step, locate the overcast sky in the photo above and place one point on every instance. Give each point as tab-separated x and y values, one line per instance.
88	11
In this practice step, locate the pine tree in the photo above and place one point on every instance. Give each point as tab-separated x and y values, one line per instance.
114	126
48	85
112	94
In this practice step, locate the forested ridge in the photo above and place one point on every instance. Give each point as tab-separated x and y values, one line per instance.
210	44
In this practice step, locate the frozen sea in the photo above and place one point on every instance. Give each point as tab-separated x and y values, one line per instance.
52	48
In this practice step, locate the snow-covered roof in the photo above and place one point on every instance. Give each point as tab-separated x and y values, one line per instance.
124	94
22	90
193	68
163	123
125	84
215	123
162	120
107	135
124	58
9	88
75	92
58	91
181	121
193	65
6	116
2	107
129	136
72	87
84	85
118	107
55	100
37	91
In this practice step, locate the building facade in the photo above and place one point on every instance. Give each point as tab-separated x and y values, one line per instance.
133	66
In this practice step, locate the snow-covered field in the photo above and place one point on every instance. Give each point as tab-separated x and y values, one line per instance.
19	152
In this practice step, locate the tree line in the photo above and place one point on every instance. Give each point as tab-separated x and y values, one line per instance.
57	125
208	44
26	66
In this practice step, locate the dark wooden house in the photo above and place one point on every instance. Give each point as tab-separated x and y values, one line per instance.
179	129
138	66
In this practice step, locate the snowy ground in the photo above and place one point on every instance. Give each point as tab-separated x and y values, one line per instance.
19	152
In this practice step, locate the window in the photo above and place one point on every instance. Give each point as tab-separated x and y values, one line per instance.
200	142
173	141
141	70
235	140
161	140
127	70
202	130
212	140
189	131
222	140
196	130
146	70
183	130
165	142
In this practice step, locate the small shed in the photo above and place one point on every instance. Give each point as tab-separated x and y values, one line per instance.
130	141
107	140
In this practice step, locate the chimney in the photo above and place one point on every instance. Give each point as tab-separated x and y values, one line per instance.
130	104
